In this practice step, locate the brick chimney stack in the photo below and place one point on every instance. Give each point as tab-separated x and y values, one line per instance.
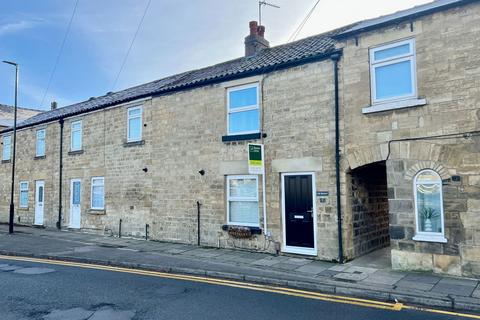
255	41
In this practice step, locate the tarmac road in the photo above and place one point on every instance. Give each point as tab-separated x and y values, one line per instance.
56	290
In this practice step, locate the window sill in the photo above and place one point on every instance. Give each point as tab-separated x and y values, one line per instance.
96	212
253	230
401	104
134	143
75	152
430	238
23	208
6	161
39	157
242	137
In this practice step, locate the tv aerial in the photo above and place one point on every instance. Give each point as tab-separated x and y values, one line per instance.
264	4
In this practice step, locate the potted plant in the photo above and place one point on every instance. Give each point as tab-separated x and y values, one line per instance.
428	214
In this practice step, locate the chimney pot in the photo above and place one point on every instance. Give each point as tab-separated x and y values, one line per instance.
261	31
253	27
53	105
255	41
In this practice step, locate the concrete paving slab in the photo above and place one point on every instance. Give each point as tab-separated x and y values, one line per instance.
264	262
328	273
476	292
459	282
311	268
285	266
226	257
203	253
253	255
422	278
356	269
298	261
465	291
339	268
242	260
177	250
407	284
85	249
382	278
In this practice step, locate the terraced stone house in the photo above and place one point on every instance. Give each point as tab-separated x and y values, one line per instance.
370	137
7	115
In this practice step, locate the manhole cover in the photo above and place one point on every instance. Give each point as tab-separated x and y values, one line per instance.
350	277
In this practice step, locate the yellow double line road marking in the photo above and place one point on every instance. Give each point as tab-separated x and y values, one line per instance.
250	286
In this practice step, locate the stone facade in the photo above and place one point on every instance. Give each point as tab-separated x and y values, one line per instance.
182	134
448	77
155	184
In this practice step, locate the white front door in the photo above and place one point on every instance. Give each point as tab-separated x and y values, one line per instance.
75	200
39	202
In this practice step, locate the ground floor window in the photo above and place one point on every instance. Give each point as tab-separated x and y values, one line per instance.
98	193
23	194
242	200
429	207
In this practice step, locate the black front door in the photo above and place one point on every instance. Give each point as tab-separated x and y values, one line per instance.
298	211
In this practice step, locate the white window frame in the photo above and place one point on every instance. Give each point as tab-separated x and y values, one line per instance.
72	130
422	235
44	142
243	109
410	56
9	146
92	184
134	117
20	194
246	199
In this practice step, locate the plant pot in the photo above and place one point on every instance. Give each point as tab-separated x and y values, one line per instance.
428	225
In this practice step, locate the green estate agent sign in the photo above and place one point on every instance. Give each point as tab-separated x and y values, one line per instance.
255	158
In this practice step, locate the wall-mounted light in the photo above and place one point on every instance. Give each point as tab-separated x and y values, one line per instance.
202	172
145	169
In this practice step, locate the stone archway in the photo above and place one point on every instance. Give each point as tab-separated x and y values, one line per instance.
367	201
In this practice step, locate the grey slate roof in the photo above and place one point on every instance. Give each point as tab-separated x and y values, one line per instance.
269	59
424	9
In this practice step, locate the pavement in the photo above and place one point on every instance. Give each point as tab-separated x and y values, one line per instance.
369	276
52	291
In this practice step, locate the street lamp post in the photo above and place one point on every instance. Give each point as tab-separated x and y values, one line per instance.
12	207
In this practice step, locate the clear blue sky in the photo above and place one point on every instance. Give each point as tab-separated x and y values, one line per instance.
177	35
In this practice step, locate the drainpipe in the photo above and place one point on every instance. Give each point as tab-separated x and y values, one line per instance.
60	170
335	58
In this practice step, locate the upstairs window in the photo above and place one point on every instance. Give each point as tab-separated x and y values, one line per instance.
76	136
98	193
134	124
242	200
393	71
243	110
40	148
7	147
23	194
429	207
